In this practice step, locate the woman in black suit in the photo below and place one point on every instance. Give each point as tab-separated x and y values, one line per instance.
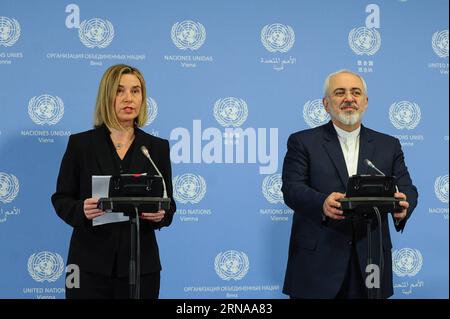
102	252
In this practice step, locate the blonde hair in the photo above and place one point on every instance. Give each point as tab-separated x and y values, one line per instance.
104	107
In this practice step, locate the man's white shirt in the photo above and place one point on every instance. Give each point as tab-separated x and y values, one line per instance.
350	147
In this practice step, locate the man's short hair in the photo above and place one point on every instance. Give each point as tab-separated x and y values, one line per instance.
326	85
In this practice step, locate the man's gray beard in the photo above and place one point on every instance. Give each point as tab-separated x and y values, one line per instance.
347	118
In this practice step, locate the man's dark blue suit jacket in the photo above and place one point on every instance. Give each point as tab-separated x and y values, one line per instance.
320	247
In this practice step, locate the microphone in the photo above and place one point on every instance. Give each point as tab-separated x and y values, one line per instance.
144	151
370	164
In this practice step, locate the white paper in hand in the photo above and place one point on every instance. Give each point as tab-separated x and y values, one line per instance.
100	189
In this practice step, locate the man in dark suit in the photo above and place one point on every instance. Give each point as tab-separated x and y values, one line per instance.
327	250
102	252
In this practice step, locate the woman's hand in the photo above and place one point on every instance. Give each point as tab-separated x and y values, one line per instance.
90	208
154	217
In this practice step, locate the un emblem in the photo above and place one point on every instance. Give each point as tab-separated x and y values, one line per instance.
441	188
277	37
405	115
9	31
231	265
189	188
9	187
407	262
439	43
364	40
45	266
271	188
314	113
188	35
230	111
152	110
46	109
96	33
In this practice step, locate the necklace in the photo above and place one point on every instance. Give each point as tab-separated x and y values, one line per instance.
119	146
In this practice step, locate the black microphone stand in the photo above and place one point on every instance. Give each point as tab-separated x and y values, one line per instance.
135	205
370	294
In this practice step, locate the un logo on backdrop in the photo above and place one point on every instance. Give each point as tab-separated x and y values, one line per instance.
404	115
9	31
96	33
230	111
189	188
231	265
188	35
271	188
277	37
439	42
9	187
407	262
45	266
314	113
152	110
364	40
46	109
441	188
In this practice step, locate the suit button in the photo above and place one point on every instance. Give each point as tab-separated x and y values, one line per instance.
350	242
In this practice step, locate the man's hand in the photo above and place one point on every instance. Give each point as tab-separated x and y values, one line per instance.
331	207
401	215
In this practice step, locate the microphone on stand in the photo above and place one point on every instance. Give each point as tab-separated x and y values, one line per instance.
370	164
146	153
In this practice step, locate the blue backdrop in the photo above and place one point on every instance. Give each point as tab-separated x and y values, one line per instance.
228	82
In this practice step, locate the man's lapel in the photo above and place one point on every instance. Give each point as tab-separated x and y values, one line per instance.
334	150
366	150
